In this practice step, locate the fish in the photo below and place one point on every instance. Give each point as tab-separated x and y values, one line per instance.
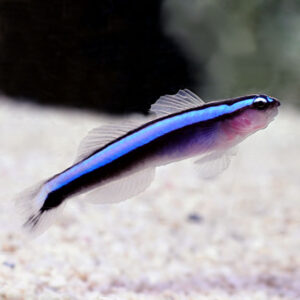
117	161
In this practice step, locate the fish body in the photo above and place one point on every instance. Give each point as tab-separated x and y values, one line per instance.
118	161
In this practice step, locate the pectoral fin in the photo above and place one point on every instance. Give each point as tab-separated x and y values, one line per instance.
214	163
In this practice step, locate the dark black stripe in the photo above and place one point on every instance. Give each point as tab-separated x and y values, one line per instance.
165	146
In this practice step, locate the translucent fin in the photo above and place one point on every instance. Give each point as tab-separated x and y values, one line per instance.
103	135
31	217
122	189
170	104
214	163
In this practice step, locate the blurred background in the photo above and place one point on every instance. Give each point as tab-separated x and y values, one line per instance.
120	56
104	55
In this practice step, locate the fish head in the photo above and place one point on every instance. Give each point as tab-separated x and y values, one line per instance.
261	110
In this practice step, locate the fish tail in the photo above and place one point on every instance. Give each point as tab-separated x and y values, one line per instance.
32	215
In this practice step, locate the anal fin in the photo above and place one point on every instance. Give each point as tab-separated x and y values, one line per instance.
123	188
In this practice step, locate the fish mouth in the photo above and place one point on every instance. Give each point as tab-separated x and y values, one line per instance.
272	113
276	102
273	110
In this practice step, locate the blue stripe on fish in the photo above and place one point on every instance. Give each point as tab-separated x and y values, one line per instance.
144	136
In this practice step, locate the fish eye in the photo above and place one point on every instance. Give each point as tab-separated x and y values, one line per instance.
260	103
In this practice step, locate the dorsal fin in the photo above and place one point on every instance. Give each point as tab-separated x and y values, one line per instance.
101	136
170	104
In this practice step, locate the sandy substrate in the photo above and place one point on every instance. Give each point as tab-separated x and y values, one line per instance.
237	237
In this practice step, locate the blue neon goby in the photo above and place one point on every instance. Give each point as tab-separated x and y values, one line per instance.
118	161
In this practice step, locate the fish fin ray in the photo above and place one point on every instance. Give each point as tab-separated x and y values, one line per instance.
169	104
213	164
123	188
105	134
28	208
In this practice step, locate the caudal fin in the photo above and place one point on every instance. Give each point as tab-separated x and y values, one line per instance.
29	204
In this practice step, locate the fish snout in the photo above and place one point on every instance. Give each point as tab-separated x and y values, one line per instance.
275	102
